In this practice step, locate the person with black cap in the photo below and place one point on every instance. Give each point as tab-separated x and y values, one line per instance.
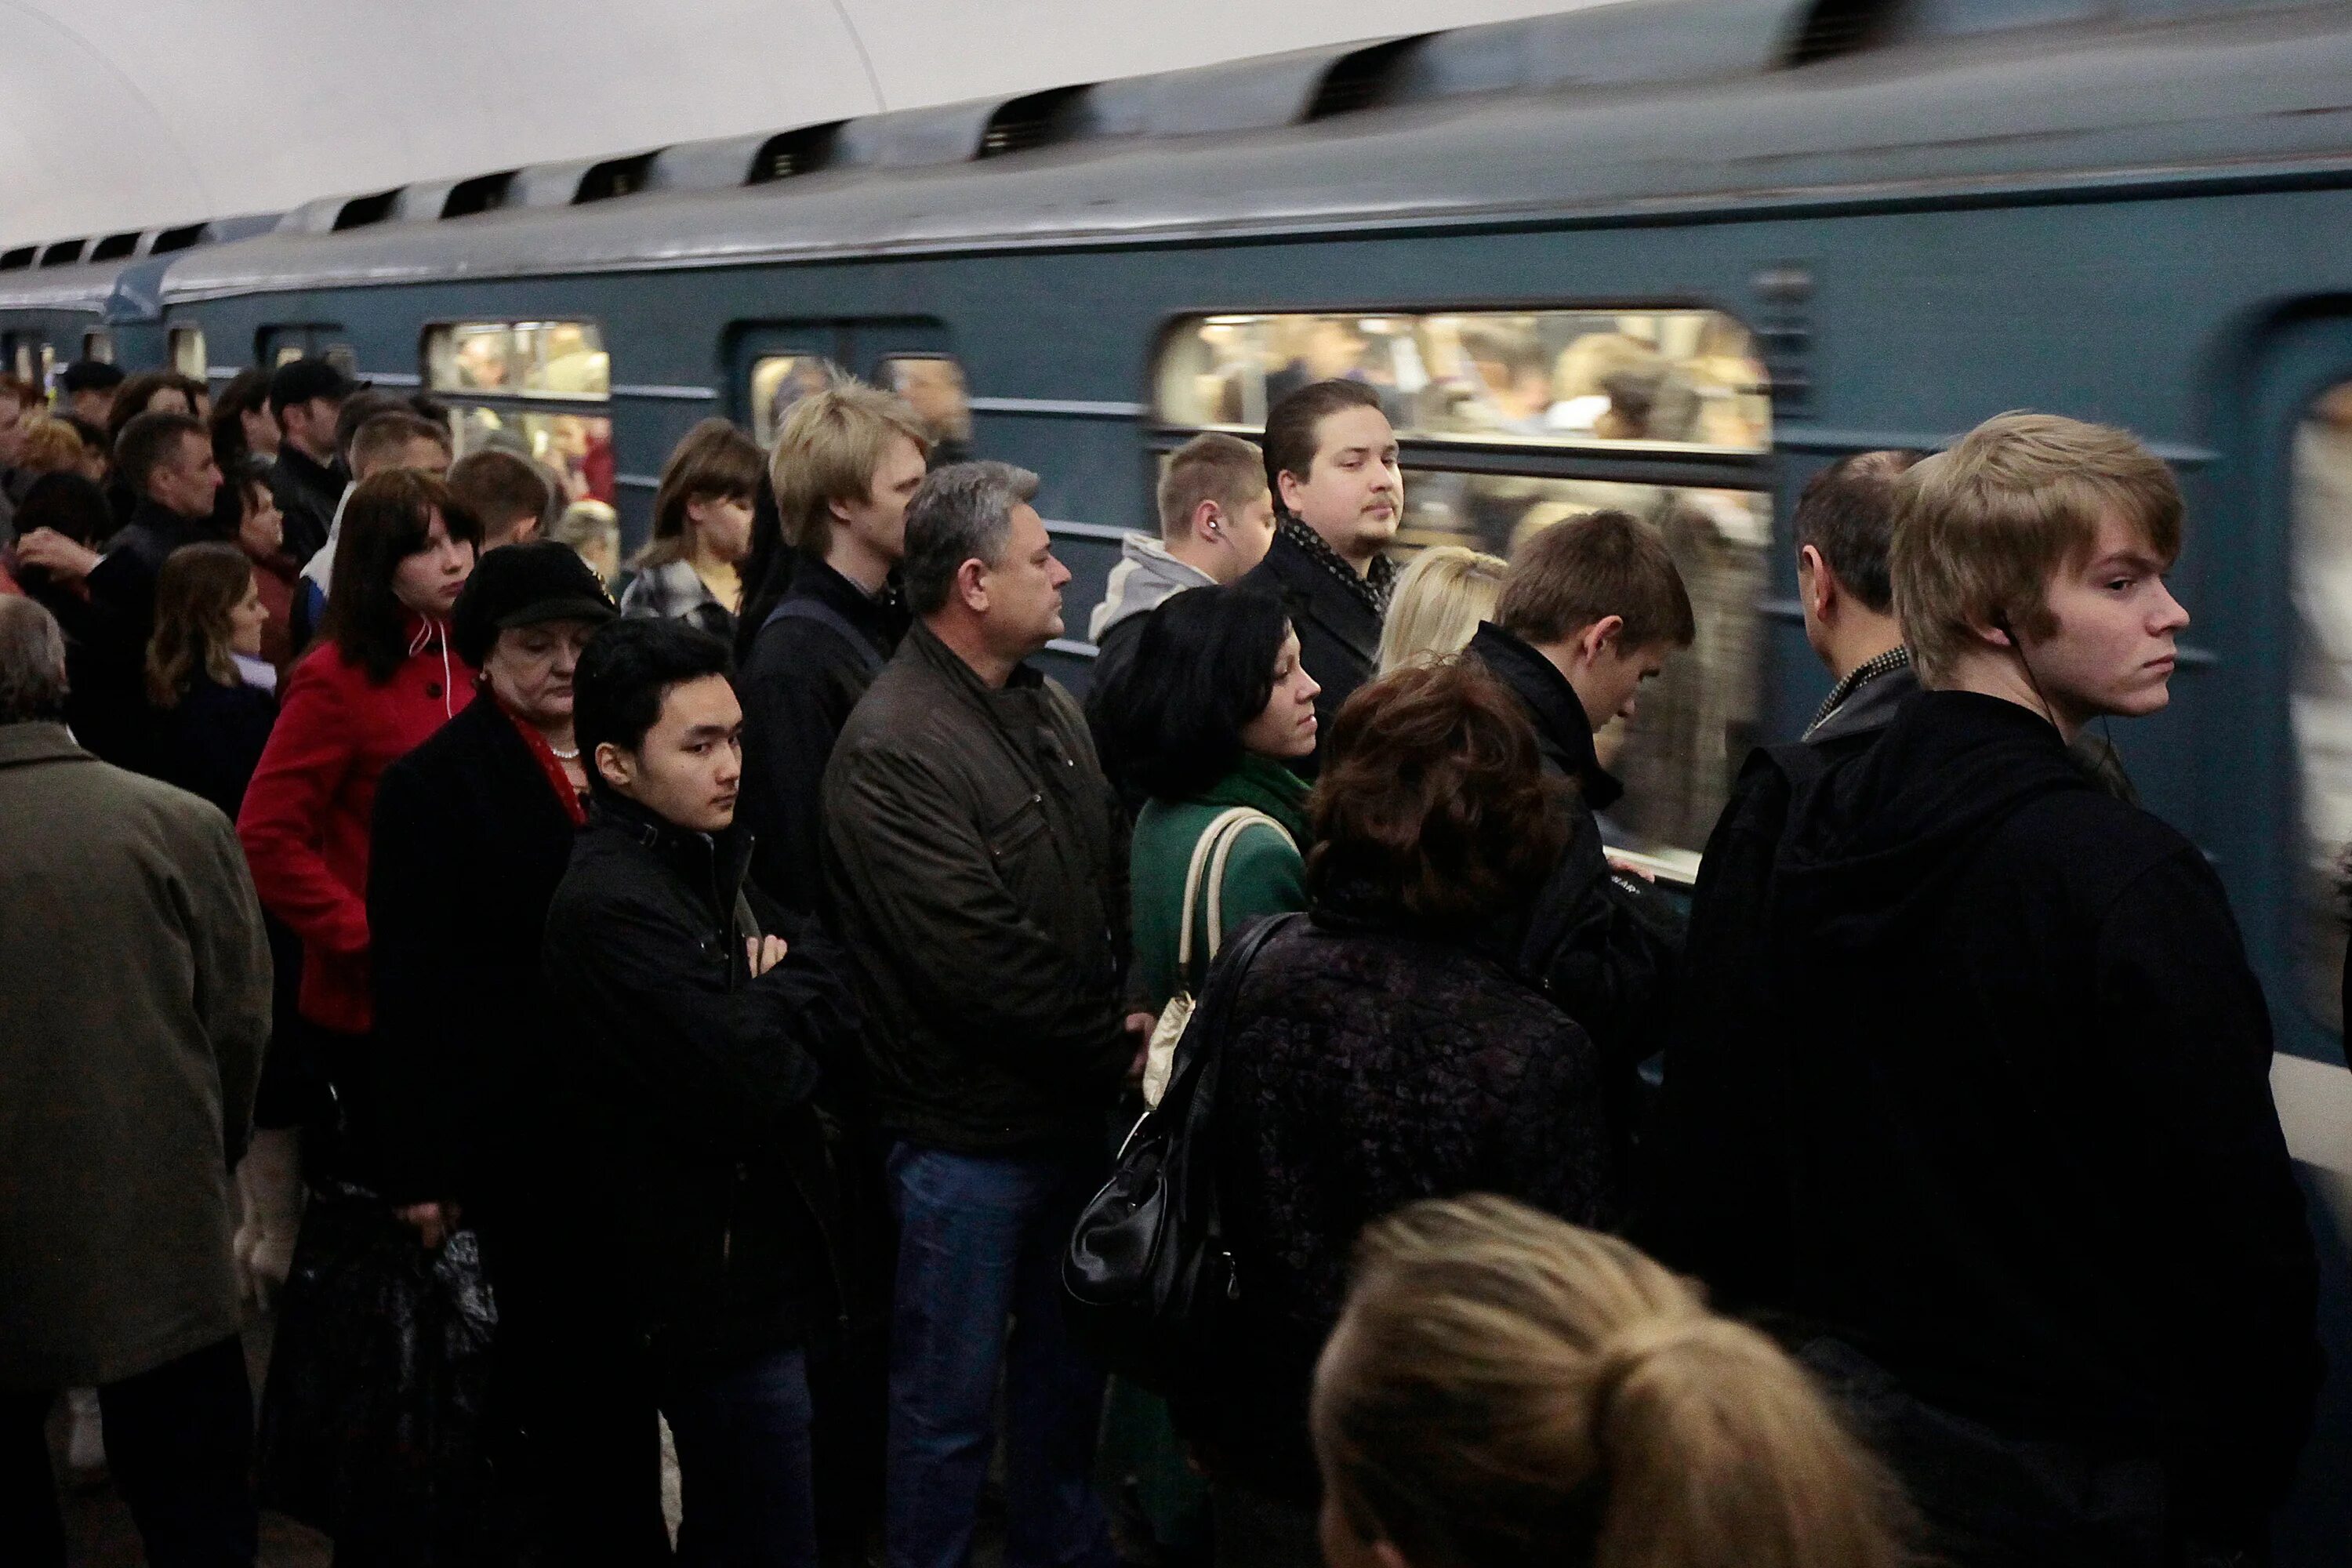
89	386
305	395
475	828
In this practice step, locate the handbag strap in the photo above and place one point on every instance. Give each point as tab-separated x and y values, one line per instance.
1214	843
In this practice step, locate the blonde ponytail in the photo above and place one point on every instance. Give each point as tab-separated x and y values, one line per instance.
1505	1390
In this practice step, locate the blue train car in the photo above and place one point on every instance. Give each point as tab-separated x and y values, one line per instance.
1668	254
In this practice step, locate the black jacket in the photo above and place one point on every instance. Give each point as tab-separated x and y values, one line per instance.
2017	1141
802	681
122	601
1339	635
1368	1068
308	493
210	741
469	841
976	866
1600	944
691	1082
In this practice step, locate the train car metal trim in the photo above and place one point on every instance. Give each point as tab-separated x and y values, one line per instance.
654	392
1074	648
1074	407
1088	530
638	481
1798	437
390	377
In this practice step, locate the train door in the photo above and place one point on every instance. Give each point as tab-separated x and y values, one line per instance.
278	344
776	364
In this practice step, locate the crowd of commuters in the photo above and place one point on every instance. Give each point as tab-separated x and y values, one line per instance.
751	973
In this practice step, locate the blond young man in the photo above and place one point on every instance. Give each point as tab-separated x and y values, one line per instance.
846	462
2002	1129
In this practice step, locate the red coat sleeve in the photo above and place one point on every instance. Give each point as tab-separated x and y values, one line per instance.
284	822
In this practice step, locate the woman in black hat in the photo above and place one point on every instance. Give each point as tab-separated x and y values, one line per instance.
472	832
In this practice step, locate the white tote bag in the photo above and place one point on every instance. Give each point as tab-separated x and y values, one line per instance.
1210	852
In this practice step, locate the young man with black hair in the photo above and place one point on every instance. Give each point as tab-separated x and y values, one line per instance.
305	395
701	1024
1844	519
89	386
1332	465
1590	612
2000	1132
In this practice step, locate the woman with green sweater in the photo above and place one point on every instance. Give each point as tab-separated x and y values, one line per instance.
1218	708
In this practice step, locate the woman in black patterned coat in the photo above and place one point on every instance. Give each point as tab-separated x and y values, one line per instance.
1381	1052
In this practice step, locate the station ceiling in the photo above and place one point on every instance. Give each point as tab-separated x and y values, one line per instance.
124	114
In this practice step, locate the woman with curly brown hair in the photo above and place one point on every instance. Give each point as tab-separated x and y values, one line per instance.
1384	1051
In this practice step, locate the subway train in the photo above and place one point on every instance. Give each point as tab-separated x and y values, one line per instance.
1670	255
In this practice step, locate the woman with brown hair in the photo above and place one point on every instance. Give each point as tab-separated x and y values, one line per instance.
206	681
1384	1051
1505	1390
702	531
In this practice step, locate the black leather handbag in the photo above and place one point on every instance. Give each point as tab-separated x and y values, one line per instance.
1146	1274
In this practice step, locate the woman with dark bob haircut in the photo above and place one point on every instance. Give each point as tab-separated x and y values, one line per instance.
1384	1051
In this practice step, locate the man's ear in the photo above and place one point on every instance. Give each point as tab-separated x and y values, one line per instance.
971	585
1602	634
616	766
1208	519
1816	584
527	529
1287	488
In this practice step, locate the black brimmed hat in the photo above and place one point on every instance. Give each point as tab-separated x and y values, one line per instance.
301	380
523	585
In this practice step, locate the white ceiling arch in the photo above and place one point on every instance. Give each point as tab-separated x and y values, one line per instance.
124	114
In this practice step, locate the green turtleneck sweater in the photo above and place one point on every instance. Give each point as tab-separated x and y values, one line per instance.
1266	870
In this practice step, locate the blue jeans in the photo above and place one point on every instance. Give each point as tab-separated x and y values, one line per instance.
742	1434
980	1241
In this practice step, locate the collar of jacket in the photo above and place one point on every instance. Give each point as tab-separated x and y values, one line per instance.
1562	729
1868	698
174	529
881	617
713	865
1270	787
39	741
928	648
322	478
1370	586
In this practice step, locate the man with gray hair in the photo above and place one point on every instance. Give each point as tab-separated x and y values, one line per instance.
132	1028
976	864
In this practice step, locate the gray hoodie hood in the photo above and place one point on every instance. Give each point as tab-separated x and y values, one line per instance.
1146	574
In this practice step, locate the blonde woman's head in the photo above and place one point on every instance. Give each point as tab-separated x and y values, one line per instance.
1505	1390
1437	604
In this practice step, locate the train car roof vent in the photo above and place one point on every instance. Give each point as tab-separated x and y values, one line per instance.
185	237
1363	78
361	211
64	253
614	178
803	151
115	246
482	194
1039	119
16	260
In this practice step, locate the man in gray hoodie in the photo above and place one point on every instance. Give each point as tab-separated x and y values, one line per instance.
1216	521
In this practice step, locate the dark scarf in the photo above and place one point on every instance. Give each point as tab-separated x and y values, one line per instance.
1372	586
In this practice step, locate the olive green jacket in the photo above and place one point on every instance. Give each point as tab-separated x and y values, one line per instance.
1265	871
134	1007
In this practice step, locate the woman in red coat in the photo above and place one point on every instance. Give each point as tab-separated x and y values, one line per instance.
380	679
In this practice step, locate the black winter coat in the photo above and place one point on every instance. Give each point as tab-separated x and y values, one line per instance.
1365	1069
976	867
799	685
694	1080
1339	635
306	493
122	604
210	741
469	841
2003	1122
1600	943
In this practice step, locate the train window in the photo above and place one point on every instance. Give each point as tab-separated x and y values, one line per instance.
1676	378
575	448
934	385
343	358
98	343
20	360
286	354
780	381
2321	700
523	359
188	351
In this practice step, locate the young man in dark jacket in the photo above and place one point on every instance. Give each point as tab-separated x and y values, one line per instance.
698	1034
976	862
2019	1170
1331	463
1589	612
846	462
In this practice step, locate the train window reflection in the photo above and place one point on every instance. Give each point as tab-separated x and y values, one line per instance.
2321	700
519	359
780	381
188	351
98	343
577	448
1696	721
1677	378
934	385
